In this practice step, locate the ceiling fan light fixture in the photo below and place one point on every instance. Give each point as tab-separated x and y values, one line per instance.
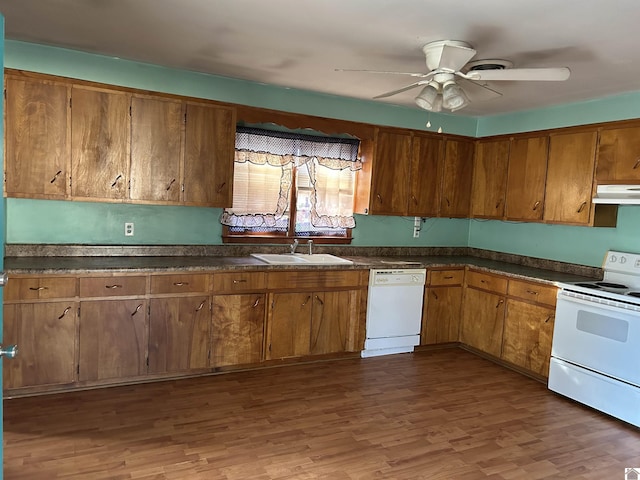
453	97
428	97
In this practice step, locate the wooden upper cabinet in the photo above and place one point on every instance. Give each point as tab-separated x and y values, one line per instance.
100	135
37	138
570	174
490	179
426	176
209	154
526	178
389	190
457	178
156	148
619	156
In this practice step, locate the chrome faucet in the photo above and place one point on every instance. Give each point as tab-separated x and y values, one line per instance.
294	245
310	243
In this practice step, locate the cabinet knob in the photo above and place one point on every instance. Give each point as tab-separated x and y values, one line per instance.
536	205
637	164
111	287
532	292
582	205
170	184
66	310
136	310
10	352
37	289
500	302
201	305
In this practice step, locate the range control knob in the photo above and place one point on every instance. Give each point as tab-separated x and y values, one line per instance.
613	259
623	259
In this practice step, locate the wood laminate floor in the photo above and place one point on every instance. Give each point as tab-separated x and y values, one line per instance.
444	414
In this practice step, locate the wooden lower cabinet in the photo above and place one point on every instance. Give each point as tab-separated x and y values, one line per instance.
113	339
46	335
483	311
237	329
289	321
483	321
331	321
313	323
178	334
528	331
442	306
528	327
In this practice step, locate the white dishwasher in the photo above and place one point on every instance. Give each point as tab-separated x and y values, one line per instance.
394	311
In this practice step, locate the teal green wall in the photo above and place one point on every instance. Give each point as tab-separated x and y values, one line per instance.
39	221
46	221
583	245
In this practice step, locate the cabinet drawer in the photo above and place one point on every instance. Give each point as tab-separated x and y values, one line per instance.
39	288
484	281
239	282
305	280
180	283
112	286
536	292
446	277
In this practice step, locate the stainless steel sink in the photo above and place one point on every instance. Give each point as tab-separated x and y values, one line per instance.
300	259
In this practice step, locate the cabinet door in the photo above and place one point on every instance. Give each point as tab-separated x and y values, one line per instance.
570	178
289	325
526	180
113	339
490	179
237	329
457	177
441	315
156	149
37	138
483	321
100	127
619	156
426	176
330	322
390	181
178	334
528	331
209	153
46	334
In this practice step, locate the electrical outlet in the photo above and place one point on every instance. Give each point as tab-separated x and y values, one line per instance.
128	229
416	227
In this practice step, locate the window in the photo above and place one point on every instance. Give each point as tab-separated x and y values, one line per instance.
289	185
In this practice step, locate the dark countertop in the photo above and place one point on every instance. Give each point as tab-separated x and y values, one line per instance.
78	265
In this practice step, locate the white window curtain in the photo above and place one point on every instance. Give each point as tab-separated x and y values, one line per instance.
264	162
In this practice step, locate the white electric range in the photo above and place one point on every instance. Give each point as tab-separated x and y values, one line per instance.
595	357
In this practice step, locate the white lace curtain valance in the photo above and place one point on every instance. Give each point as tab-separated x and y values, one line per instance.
263	173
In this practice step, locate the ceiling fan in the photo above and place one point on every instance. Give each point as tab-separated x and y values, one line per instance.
452	80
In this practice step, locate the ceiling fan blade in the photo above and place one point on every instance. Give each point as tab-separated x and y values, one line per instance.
477	92
411	74
403	89
454	57
525	74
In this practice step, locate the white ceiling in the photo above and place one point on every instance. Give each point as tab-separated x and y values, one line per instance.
300	43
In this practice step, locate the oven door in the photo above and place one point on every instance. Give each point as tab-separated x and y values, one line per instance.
598	336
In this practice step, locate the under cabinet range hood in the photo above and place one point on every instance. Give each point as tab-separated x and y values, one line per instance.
618	194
